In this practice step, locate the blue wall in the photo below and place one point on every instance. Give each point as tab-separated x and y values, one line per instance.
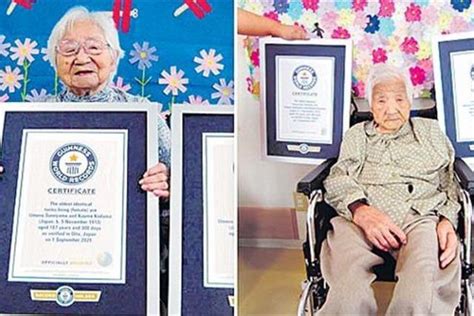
178	40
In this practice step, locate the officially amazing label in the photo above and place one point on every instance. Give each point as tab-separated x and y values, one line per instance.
73	164
304	77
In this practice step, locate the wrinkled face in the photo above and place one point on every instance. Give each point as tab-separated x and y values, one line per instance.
390	105
85	72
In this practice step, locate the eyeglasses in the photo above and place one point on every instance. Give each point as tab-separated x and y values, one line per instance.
91	47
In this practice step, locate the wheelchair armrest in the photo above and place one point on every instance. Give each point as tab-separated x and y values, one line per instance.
465	175
314	179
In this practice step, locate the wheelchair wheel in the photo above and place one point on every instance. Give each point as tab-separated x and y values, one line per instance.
312	298
465	305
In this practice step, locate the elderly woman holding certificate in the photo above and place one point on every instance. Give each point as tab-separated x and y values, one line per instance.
84	50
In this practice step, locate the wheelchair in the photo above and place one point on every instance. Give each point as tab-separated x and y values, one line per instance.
318	218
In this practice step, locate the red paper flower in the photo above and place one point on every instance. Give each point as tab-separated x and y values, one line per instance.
359	5
254	58
272	15
387	8
340	32
359	89
413	13
379	55
311	4
409	45
417	75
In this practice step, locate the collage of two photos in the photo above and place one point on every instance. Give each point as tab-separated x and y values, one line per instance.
251	157
116	185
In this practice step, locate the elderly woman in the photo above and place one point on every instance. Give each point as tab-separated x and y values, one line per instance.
84	50
393	187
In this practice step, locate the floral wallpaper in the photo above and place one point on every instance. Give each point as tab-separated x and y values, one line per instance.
382	31
172	54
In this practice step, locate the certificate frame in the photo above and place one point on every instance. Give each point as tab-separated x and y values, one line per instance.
299	150
445	49
141	290
187	291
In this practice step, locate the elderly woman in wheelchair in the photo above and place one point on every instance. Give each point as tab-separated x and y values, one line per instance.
394	190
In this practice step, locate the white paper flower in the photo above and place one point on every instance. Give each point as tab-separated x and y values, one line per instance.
44	51
225	92
120	84
10	79
24	51
174	81
34	96
4	46
196	100
4	98
209	63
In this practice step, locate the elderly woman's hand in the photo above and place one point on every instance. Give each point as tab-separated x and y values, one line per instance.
448	242
155	180
378	228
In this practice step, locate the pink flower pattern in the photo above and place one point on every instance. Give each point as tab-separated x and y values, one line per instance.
359	88
413	13
379	55
417	75
272	15
340	32
359	5
255	58
395	37
311	4
387	8
409	45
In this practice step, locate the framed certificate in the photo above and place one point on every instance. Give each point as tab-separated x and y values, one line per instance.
78	234
305	93
202	241
453	63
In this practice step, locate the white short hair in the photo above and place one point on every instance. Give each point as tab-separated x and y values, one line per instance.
103	20
382	72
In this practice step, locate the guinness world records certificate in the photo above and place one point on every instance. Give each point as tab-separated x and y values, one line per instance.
64	227
77	233
219	213
453	69
305	98
305	94
462	68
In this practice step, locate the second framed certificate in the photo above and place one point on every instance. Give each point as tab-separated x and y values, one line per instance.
202	232
306	96
453	67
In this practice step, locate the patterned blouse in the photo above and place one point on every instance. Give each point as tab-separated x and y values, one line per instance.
409	170
113	94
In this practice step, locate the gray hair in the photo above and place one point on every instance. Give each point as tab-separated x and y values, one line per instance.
103	20
382	72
